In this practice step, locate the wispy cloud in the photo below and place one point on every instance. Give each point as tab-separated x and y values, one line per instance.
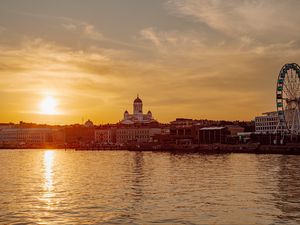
84	29
70	26
172	41
150	34
247	17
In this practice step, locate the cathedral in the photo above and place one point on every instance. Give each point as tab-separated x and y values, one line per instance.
137	116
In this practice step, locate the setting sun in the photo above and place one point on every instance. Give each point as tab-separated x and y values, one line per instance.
48	106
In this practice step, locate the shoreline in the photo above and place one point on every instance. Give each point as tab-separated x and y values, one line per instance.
202	149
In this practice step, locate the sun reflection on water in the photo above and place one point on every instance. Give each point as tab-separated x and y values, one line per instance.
48	176
48	167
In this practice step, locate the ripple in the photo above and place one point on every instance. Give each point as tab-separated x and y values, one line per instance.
120	187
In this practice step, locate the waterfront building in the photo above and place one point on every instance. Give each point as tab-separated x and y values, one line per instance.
26	136
244	137
213	135
164	137
235	129
105	135
184	131
268	123
136	134
138	116
6	125
77	134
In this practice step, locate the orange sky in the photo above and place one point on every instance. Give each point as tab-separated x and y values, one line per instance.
186	58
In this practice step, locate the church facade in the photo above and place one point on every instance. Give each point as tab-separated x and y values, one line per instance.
138	116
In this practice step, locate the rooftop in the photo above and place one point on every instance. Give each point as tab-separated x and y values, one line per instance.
212	128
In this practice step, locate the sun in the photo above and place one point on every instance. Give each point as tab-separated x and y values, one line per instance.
48	106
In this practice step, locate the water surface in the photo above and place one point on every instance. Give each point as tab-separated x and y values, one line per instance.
121	187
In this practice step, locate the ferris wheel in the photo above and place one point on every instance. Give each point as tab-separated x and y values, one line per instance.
288	99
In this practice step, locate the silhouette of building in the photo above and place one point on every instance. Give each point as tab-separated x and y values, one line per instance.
213	135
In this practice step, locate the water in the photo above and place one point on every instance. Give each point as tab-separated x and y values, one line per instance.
120	187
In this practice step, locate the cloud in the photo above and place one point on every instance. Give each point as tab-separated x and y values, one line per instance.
37	62
69	26
103	77
172	42
243	17
239	31
150	34
84	29
90	32
222	65
195	82
203	74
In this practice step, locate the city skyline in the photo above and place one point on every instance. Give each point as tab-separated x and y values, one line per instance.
149	112
186	58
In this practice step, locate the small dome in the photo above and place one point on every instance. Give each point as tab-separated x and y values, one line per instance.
126	112
149	112
89	123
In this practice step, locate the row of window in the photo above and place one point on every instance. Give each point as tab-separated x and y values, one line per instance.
12	137
266	124
27	141
132	137
266	119
101	136
133	132
271	128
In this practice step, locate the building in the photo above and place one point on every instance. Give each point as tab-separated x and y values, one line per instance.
105	135
137	116
235	129
213	135
268	123
32	137
164	137
6	125
77	134
136	134
184	131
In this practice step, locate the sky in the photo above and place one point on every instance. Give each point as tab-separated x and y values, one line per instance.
88	59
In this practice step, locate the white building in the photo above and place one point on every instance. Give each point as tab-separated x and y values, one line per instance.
26	136
137	116
138	134
267	123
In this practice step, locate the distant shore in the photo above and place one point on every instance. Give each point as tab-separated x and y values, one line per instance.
204	149
215	149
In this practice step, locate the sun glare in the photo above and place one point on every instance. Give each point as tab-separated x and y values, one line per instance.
48	106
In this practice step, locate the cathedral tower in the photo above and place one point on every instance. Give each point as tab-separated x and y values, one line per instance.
137	106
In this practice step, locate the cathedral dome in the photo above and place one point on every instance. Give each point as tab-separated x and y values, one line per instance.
89	123
137	100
